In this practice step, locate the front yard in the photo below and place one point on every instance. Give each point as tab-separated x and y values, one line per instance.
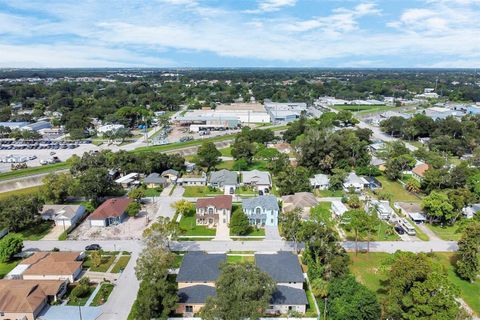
121	264
102	295
106	262
200	191
240	259
188	227
37	231
396	190
384	232
448	233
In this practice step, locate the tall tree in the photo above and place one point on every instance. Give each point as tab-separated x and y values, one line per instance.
243	292
437	207
208	155
239	224
467	265
10	245
291	225
57	187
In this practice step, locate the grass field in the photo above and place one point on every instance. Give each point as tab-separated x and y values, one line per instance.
328	193
200	191
366	268
357	107
188	227
446	232
152	192
33	170
6	267
19	192
396	190
102	295
226	152
380	234
121	264
192	143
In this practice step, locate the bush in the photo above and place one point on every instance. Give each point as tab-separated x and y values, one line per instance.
10	246
80	291
239	224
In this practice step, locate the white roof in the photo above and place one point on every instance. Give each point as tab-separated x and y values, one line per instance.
339	208
320	179
17	271
353	180
127	178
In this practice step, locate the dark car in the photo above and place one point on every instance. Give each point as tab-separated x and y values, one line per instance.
399	230
93	247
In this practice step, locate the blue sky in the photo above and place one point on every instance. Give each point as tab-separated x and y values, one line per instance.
240	33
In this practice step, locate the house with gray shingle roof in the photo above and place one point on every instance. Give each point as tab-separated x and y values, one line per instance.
225	180
261	210
287	299
192	299
200	268
260	180
155	180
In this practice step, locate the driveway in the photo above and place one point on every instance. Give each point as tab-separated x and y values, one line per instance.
428	232
223	232
54	233
272	233
74	313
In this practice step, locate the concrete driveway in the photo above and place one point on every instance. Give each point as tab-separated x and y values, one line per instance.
54	233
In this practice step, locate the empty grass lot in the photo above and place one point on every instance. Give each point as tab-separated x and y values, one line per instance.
121	264
367	269
357	107
6	267
188	227
102	295
328	193
37	231
226	152
380	234
396	190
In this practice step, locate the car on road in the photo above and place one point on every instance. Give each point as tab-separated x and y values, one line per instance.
93	247
399	229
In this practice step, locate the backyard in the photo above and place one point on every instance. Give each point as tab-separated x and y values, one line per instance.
36	231
200	191
79	301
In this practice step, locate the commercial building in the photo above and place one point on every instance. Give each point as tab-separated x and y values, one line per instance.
285	112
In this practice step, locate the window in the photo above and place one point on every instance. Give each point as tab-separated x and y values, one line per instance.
290	308
258	211
188	309
210	210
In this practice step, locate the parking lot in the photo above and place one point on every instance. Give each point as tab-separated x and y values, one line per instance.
43	154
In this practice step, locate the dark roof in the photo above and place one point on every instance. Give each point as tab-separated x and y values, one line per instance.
195	294
282	267
200	266
285	295
114	207
155	178
219	202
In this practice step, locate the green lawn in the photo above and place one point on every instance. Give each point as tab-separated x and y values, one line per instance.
34	170
107	261
257	164
446	232
240	259
152	192
37	231
121	264
366	268
228	164
396	190
177	145
80	301
19	192
310	312
102	295
6	267
178	261
226	152
357	107
328	193
200	191
374	110
188	227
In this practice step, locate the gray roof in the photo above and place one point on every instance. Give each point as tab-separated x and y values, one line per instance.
268	202
285	295
171	171
223	177
155	178
200	266
256	177
282	267
57	211
195	294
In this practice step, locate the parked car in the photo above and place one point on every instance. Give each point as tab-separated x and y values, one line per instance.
93	247
399	229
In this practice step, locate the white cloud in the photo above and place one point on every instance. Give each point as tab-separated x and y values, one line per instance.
272	5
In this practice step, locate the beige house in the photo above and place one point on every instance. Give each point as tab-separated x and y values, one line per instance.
304	201
64	266
24	299
212	211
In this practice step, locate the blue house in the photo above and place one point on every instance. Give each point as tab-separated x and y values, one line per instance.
261	211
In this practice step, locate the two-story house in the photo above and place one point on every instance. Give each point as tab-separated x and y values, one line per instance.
262	210
196	280
212	211
284	268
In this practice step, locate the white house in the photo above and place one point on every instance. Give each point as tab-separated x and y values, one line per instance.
320	181
224	180
381	207
63	215
354	182
261	211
